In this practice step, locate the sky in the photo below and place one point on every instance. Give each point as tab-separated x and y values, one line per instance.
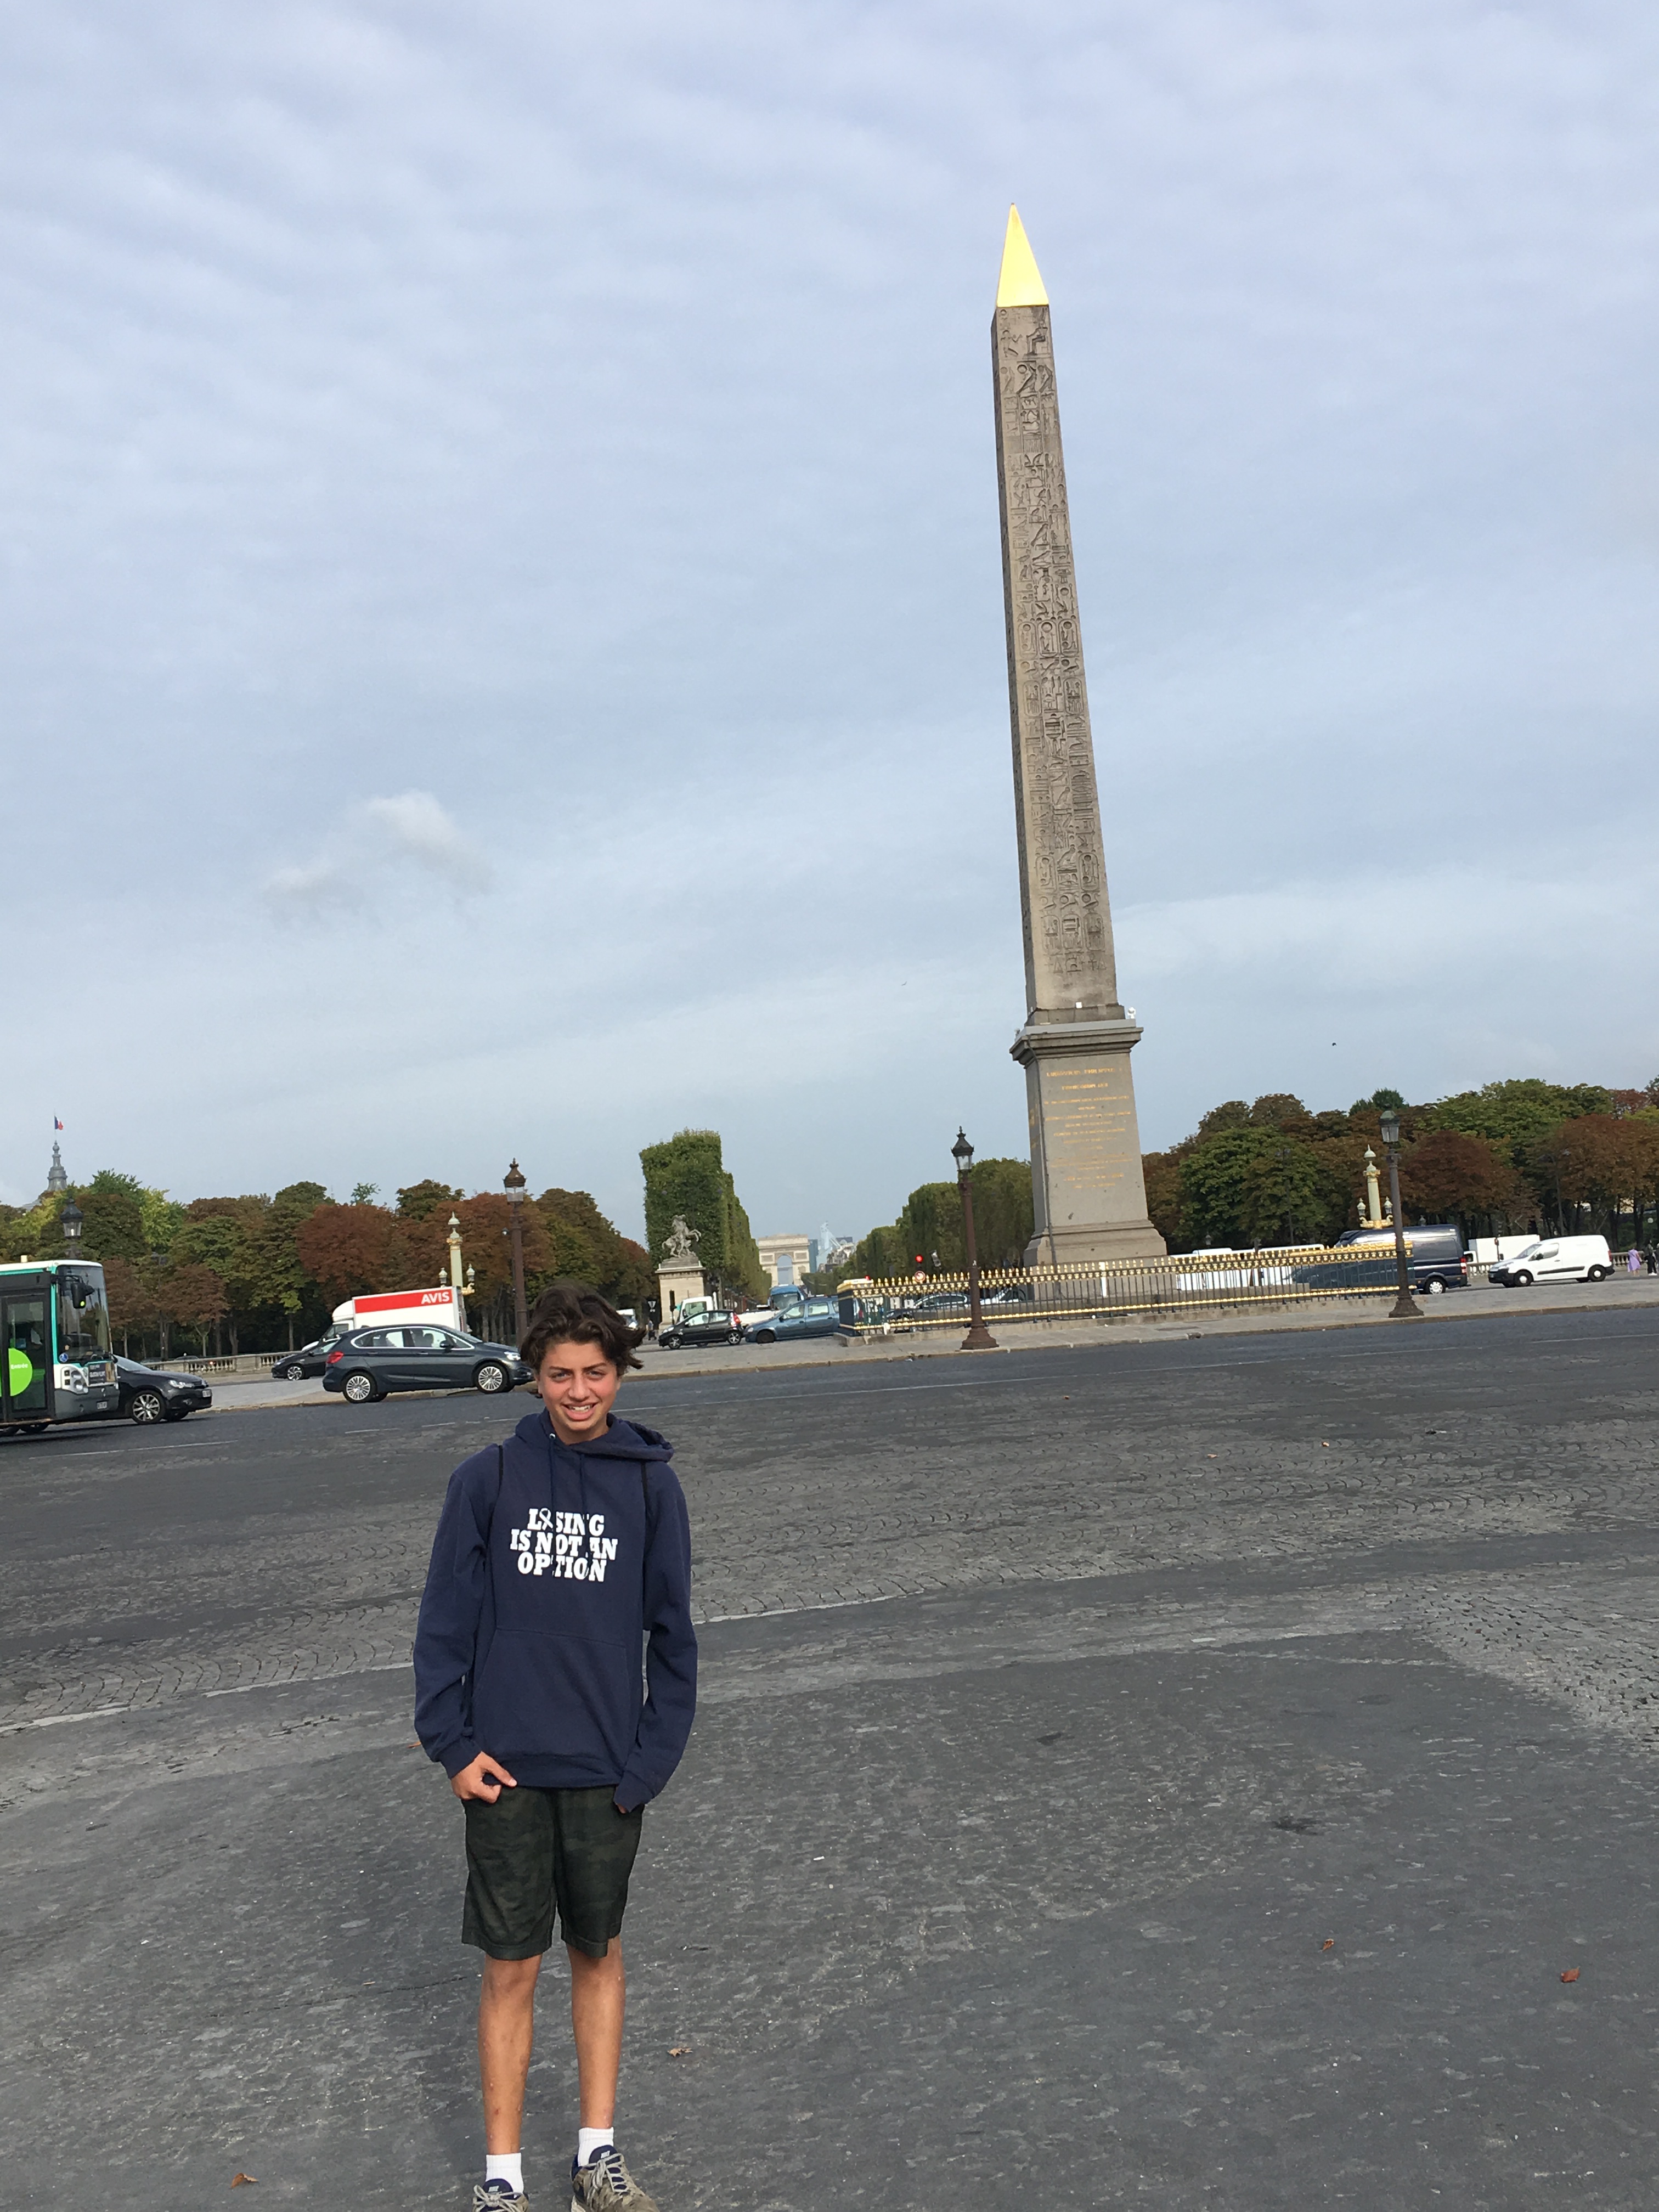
502	632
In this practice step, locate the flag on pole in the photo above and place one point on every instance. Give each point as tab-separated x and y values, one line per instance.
56	1123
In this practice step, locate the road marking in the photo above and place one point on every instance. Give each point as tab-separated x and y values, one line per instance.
294	1681
63	1720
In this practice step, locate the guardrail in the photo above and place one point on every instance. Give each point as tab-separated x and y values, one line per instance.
1185	1282
228	1367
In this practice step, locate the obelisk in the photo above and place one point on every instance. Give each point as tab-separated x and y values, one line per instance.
1091	1198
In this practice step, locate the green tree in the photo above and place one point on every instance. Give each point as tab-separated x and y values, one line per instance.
1249	1187
163	1219
1280	1109
422	1199
1161	1173
1005	1213
112	1225
1518	1113
1283	1197
930	1226
687	1176
1231	1113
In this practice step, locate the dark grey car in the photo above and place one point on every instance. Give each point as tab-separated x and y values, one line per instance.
150	1394
370	1362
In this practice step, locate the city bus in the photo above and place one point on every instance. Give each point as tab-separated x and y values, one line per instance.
54	1324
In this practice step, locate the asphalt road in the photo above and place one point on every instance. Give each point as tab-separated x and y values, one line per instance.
1170	1774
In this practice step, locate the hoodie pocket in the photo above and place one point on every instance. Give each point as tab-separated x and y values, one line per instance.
564	1697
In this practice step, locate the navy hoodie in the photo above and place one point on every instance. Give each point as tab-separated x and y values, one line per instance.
552	1563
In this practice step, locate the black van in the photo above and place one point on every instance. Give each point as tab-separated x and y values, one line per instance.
1435	1254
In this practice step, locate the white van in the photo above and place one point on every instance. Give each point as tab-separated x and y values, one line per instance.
1556	1260
383	1308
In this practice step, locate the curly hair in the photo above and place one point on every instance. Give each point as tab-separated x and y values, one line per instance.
572	1313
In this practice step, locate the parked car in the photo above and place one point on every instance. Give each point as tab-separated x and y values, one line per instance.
368	1362
705	1327
150	1394
1556	1260
310	1360
1436	1257
791	1324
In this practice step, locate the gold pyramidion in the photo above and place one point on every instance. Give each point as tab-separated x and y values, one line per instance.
1019	285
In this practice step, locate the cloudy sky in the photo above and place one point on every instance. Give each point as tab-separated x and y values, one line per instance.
502	619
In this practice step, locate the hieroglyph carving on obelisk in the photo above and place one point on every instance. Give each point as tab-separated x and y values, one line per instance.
1090	1197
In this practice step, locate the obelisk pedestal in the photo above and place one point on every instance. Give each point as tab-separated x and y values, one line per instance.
1090	1197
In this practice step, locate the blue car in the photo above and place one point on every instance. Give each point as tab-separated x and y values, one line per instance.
807	1317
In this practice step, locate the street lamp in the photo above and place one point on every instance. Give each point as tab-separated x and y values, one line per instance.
70	1221
514	1185
979	1338
1404	1307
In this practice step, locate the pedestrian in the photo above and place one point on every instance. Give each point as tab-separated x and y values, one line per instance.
1651	1255
1633	1261
558	1554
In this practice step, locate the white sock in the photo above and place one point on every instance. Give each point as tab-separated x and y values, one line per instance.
506	2165
588	2140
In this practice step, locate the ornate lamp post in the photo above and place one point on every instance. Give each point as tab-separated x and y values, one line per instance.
452	1274
1404	1307
513	1181
979	1338
70	1221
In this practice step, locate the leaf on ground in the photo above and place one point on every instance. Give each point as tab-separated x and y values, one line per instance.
1329	1943
679	2050
243	2180
1571	1974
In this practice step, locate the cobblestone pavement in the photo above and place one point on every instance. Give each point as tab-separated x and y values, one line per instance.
1183	1772
1039	1469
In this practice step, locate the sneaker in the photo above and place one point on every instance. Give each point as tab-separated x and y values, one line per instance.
497	2196
605	2182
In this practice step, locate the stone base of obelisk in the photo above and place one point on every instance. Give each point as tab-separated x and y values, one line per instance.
1087	1181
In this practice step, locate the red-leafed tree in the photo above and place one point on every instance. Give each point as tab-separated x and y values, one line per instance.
352	1248
194	1297
1446	1175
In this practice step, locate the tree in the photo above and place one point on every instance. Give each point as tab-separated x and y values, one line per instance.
930	1226
112	1225
1519	1113
686	1176
484	1222
588	1249
133	1289
193	1295
1600	1161
1161	1173
227	1235
420	1200
1280	1109
1236	1185
1231	1113
1446	1176
348	1250
1005	1211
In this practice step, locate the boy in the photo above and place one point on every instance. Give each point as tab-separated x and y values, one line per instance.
556	1554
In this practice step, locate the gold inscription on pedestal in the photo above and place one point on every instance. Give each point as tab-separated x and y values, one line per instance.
1089	1124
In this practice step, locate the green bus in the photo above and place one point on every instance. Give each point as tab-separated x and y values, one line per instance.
54	1324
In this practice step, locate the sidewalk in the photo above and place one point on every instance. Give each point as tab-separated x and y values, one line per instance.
1621	1293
